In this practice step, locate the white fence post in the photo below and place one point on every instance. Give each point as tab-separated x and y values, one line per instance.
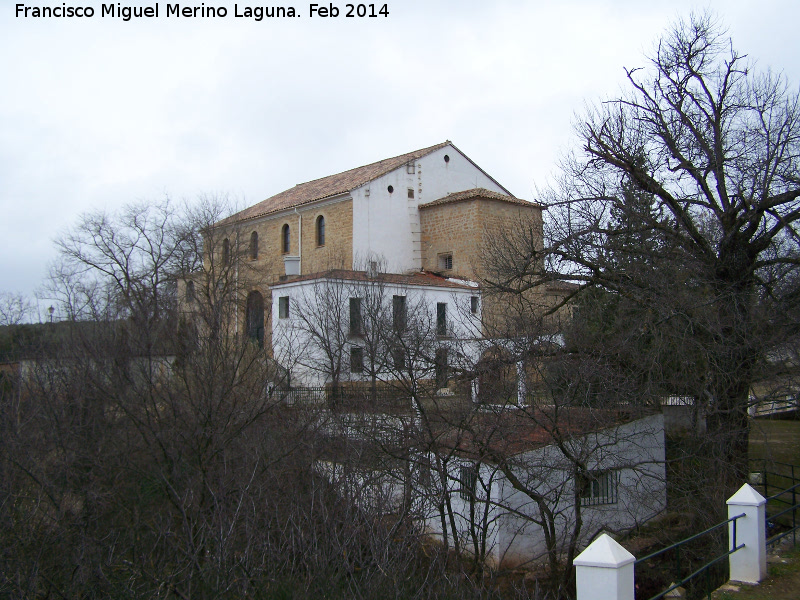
604	571
749	564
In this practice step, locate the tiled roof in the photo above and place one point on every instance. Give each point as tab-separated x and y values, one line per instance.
510	432
329	186
477	193
421	278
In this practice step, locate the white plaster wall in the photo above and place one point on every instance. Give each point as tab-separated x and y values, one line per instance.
440	178
295	349
387	224
635	449
484	523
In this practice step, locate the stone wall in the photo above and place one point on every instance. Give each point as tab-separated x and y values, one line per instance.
337	252
465	229
258	274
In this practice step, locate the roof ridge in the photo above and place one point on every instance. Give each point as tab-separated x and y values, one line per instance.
426	150
330	185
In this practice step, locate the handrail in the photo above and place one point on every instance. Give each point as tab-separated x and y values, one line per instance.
675	586
793	506
783	512
689	539
782	492
705	566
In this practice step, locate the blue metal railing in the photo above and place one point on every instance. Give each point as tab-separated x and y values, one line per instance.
709	586
785	499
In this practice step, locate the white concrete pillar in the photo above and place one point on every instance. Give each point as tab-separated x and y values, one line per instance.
604	571
749	564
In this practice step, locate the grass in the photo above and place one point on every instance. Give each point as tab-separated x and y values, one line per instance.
779	441
782	582
774	439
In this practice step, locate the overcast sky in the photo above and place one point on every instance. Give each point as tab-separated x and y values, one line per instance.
96	113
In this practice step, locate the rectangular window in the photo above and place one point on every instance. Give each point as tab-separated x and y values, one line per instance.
410	192
399	313
598	487
355	316
356	360
399	359
473	305
283	307
441	370
468	478
446	261
410	168
441	318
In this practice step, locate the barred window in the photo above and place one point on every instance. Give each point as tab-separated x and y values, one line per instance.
598	487
468	478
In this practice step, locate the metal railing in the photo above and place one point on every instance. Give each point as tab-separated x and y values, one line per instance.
709	586
782	506
774	519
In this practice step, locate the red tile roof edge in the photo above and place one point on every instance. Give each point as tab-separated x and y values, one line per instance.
419	278
478	193
329	186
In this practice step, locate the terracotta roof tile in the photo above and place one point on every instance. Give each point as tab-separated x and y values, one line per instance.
421	278
477	193
329	186
510	432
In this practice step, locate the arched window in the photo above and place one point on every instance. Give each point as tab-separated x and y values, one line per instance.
320	230
286	239
190	291
226	252
255	317
254	245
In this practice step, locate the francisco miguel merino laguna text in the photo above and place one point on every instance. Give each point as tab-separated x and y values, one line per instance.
126	13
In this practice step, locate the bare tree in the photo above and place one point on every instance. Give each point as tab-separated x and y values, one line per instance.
14	308
683	201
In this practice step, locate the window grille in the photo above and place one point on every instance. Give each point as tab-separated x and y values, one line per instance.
468	477
598	487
